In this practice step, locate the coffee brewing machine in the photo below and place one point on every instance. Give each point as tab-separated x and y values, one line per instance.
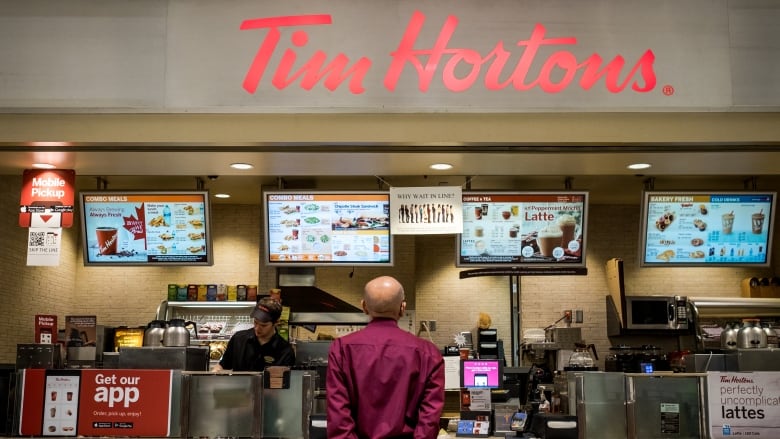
548	353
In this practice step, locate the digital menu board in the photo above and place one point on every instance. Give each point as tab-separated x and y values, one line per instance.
327	228
146	228
523	229
706	228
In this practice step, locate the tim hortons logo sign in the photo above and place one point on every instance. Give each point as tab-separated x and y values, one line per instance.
506	66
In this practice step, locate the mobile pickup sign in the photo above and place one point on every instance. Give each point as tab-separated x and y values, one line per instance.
47	198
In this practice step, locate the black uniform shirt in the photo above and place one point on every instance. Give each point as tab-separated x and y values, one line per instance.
245	353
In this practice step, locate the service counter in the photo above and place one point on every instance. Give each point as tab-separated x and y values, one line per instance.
162	403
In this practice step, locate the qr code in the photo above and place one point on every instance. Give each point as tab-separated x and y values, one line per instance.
37	239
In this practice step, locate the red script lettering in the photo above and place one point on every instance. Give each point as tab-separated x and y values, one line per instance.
458	69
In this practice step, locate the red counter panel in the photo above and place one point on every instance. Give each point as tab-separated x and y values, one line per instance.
96	402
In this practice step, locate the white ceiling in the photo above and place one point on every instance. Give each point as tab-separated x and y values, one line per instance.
600	170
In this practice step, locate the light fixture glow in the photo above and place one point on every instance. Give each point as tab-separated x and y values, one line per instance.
241	166
639	166
441	166
43	166
221	195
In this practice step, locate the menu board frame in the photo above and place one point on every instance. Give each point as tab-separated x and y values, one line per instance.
348	231
144	232
508	221
698	220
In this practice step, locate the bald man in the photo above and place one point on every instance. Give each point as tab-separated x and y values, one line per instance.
383	381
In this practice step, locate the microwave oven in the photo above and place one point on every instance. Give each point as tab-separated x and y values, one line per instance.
657	312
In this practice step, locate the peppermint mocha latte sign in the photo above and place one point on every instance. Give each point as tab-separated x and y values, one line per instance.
266	56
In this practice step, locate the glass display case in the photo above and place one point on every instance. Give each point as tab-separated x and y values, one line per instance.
214	321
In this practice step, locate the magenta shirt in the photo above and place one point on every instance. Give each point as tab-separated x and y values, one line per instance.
384	382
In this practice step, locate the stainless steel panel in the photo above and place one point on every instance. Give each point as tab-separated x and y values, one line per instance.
600	404
38	356
222	405
666	406
192	358
728	307
176	403
711	362
286	411
312	352
754	360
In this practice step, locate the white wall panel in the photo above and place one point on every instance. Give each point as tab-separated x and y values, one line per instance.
82	54
755	52
191	56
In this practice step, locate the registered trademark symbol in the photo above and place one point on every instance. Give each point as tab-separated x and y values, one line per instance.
668	90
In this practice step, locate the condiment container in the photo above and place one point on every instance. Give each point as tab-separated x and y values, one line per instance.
211	292
202	290
771	335
751	336
172	292
728	337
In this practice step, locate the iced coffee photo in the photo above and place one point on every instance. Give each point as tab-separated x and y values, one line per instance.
758	222
568	226
728	222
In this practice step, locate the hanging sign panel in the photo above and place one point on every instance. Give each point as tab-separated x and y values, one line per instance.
44	246
47	198
426	210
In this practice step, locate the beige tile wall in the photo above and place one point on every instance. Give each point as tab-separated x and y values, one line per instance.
424	264
27	291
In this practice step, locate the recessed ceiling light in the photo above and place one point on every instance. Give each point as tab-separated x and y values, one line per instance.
441	166
639	166
242	166
43	166
221	195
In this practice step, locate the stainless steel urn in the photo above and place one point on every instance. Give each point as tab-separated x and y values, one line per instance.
176	334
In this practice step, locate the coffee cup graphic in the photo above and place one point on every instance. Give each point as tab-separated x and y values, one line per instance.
107	238
548	239
758	222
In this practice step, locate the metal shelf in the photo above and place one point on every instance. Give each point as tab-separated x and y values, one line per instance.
211	304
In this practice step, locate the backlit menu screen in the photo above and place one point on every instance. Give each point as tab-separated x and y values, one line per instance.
327	228
702	229
143	228
523	229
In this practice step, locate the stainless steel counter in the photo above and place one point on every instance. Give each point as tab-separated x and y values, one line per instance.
191	358
240	404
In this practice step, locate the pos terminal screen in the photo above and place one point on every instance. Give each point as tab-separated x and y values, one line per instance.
485	374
